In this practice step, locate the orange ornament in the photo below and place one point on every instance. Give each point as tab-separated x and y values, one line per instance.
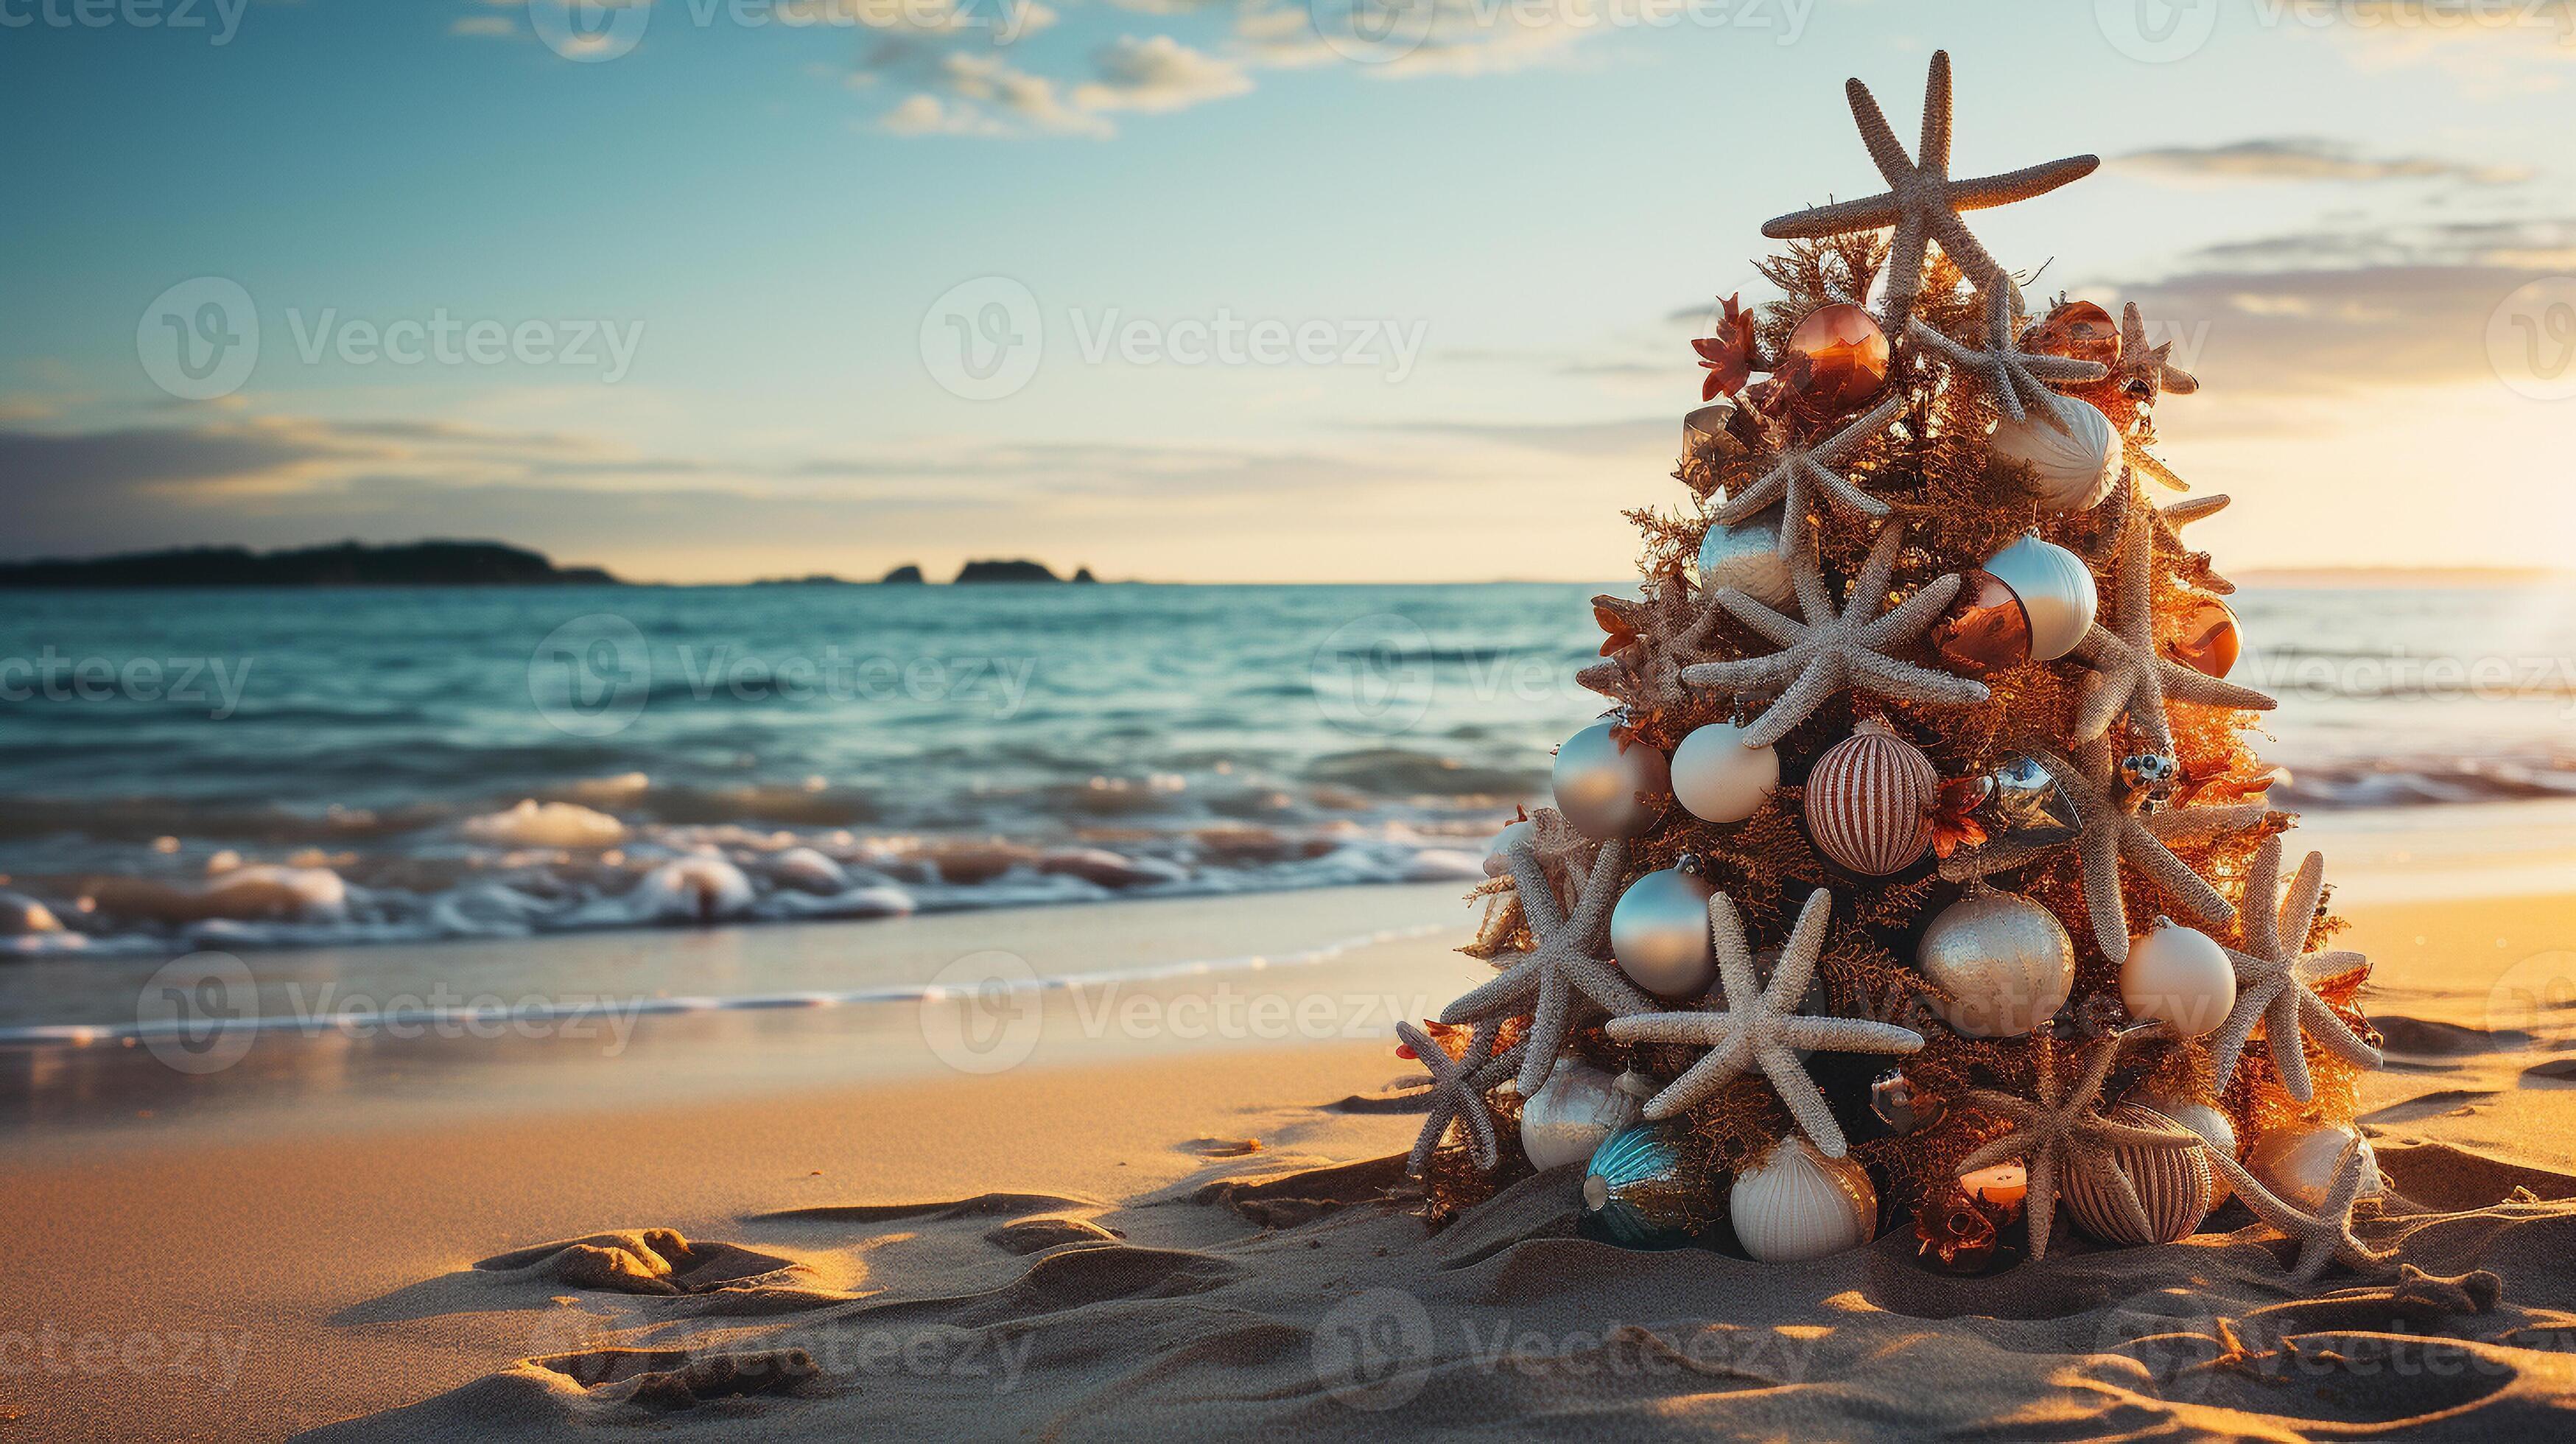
2079	329
2205	637
1985	629
1837	358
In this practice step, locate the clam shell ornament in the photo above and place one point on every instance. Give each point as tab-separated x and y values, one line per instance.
2298	1164
1716	778
1607	790
2005	963
2074	463
1659	932
2056	591
1747	557
1636	1192
1797	1204
2176	1186
1576	1110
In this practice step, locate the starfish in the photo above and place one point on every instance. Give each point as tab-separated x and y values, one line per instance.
1803	471
1457	1091
2017	378
1761	1026
1921	202
2134	675
2148	372
2108	830
1837	649
2146	463
2061	1131
1562	962
1671	633
2325	1236
2272	973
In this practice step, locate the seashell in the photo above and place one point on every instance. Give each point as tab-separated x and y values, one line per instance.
2074	466
1747	557
1498	854
2005	962
1798	1204
1636	1193
2056	591
1870	799
1576	1110
2211	1124
2177	1186
2298	1164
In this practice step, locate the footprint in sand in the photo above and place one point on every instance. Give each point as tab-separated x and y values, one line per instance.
2450	1102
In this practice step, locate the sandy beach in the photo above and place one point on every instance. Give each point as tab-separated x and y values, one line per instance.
1159	1226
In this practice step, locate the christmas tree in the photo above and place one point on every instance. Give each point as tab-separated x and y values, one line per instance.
1922	873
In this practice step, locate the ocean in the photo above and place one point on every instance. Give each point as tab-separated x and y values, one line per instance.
250	769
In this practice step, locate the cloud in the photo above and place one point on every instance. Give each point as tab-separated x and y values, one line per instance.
484	25
1158	74
2306	159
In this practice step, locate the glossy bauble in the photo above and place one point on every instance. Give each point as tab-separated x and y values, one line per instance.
2005	962
1576	1110
1716	778
1609	790
1837	358
2030	803
1984	630
2298	1164
1894	1098
2203	636
2176	1186
1636	1192
1747	558
1870	801
2080	330
2056	592
1498	854
2210	1123
2178	976
1797	1204
1708	434
2071	448
1659	933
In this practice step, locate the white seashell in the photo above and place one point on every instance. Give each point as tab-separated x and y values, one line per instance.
2211	1124
2056	591
1576	1110
2298	1164
2174	1185
1798	1204
2073	467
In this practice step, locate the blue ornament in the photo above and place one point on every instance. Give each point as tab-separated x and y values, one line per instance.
1635	1193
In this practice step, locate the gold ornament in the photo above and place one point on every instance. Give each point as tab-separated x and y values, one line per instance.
2005	963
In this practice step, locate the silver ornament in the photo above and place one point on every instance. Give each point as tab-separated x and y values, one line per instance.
1498	853
1747	557
2032	804
1659	932
1716	778
2005	962
2150	774
1607	790
1576	1109
2213	1126
2056	591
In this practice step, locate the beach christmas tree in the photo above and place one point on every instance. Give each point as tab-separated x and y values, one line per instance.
1922	872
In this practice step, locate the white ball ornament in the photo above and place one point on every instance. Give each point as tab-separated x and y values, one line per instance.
2074	457
1607	790
1659	932
1498	856
1797	1204
1576	1110
2179	976
2004	962
1716	778
2055	589
2298	1164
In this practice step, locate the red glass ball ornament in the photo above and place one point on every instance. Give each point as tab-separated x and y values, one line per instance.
1838	357
2205	637
2079	329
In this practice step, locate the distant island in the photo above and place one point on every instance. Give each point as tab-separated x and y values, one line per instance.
1016	570
348	564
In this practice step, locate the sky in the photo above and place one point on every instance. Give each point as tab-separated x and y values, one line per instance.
1209	290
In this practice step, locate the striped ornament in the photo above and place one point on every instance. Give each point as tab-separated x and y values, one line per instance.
2177	1186
1870	800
